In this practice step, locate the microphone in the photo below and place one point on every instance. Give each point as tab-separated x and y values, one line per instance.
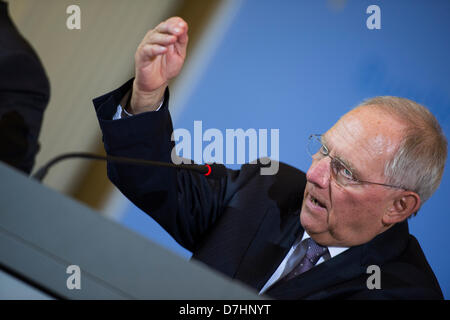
214	171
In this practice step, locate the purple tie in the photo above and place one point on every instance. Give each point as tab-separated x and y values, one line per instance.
313	253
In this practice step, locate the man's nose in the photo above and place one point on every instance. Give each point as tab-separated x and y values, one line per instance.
319	172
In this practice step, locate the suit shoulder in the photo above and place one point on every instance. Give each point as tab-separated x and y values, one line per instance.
285	186
276	171
412	270
23	72
21	67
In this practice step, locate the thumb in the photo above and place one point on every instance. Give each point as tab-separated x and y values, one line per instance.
182	41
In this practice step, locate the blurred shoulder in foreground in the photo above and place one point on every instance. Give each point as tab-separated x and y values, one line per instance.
24	95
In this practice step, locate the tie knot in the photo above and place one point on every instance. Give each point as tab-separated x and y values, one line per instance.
303	263
314	251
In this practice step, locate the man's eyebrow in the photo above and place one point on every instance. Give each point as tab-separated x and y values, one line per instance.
354	171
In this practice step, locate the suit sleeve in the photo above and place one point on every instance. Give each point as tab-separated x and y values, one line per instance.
184	203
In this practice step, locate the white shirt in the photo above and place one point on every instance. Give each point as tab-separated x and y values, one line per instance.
118	114
332	252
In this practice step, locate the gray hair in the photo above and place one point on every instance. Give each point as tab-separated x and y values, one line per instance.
418	164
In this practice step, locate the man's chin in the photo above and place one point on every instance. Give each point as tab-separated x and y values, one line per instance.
311	223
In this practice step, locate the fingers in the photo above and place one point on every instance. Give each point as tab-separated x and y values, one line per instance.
178	27
183	38
181	44
153	50
175	26
162	39
168	34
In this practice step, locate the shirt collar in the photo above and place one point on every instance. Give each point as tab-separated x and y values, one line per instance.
334	251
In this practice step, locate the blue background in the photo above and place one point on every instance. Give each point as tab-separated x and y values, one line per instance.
300	65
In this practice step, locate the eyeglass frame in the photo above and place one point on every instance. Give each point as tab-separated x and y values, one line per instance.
334	160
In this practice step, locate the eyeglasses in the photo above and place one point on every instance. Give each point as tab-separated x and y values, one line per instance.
339	171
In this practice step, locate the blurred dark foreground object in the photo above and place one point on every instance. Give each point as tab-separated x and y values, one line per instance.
24	94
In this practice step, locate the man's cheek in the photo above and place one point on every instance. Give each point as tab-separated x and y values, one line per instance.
333	221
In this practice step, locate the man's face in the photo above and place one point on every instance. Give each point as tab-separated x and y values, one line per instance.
364	139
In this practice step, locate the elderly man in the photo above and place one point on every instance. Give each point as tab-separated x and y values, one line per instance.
338	231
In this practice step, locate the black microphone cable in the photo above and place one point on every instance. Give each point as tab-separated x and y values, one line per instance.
212	171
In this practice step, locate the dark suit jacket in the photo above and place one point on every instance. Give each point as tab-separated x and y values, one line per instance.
24	94
244	223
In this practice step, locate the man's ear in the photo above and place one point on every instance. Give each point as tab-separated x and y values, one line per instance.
402	208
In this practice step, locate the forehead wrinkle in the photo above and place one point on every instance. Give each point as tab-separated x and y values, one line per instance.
378	134
351	127
355	129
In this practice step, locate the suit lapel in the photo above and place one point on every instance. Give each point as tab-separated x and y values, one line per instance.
339	269
271	243
349	265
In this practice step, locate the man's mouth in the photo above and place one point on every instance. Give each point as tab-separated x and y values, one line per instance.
316	202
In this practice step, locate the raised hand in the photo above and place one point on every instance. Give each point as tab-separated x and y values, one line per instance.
159	58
